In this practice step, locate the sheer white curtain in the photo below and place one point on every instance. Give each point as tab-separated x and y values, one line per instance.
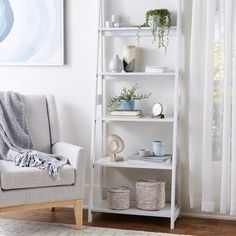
212	107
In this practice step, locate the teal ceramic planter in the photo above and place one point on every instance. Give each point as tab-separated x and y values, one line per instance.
127	105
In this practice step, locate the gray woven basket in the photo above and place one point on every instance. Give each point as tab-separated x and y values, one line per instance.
150	195
118	198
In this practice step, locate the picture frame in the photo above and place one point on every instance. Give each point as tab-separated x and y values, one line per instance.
34	33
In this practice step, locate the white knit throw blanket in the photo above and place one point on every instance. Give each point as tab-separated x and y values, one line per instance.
15	141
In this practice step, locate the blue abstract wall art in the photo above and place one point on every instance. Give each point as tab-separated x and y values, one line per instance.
31	32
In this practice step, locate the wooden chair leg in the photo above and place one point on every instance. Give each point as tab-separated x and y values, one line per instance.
52	208
78	210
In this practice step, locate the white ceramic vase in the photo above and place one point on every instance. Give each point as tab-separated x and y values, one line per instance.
129	58
116	64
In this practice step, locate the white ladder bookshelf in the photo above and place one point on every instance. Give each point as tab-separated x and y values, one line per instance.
100	117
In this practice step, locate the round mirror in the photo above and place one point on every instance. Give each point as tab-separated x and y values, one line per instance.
157	109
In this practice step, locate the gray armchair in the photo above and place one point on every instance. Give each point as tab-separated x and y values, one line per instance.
23	188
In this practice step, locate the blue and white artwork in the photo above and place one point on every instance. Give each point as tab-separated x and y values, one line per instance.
31	32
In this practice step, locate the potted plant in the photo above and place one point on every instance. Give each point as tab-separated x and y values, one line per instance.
126	100
159	21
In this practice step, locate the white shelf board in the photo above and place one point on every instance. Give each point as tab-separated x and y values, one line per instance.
132	31
146	118
111	75
135	164
102	206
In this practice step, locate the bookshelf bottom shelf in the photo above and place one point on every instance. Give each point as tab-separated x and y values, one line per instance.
102	206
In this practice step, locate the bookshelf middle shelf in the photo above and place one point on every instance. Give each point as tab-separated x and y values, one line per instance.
145	118
138	164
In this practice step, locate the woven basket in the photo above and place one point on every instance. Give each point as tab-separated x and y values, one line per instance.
150	195
118	198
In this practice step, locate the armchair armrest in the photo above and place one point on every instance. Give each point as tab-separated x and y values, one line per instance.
76	156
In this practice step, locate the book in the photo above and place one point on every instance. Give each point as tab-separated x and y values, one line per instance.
156	159
152	158
156	69
127	117
126	113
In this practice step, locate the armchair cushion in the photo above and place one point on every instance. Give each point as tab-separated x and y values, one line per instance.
38	121
14	177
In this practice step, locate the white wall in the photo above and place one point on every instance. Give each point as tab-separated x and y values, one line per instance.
73	84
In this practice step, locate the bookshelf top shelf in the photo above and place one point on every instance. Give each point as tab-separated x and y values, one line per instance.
109	75
132	31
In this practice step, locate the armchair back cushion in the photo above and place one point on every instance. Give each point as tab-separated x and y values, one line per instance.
40	110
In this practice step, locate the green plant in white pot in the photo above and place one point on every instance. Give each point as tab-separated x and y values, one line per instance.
159	21
126	100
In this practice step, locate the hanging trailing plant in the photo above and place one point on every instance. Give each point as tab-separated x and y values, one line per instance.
159	21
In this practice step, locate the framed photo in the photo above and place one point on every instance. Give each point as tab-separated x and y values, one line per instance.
31	32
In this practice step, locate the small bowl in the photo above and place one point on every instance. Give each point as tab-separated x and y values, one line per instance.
144	152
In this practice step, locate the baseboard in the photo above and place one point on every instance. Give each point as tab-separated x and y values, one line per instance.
208	216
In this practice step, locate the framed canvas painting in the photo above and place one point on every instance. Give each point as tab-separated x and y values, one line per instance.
31	32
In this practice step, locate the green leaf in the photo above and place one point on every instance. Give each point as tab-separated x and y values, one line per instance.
126	95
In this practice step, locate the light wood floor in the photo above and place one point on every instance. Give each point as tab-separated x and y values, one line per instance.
184	225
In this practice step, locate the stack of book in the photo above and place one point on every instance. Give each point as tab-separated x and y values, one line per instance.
152	158
127	114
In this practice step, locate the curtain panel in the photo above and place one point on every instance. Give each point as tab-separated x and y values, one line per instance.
212	107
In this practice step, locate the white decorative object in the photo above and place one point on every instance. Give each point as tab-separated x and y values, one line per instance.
114	20
108	24
158	148
116	64
150	195
117	25
118	198
115	145
156	69
129	58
